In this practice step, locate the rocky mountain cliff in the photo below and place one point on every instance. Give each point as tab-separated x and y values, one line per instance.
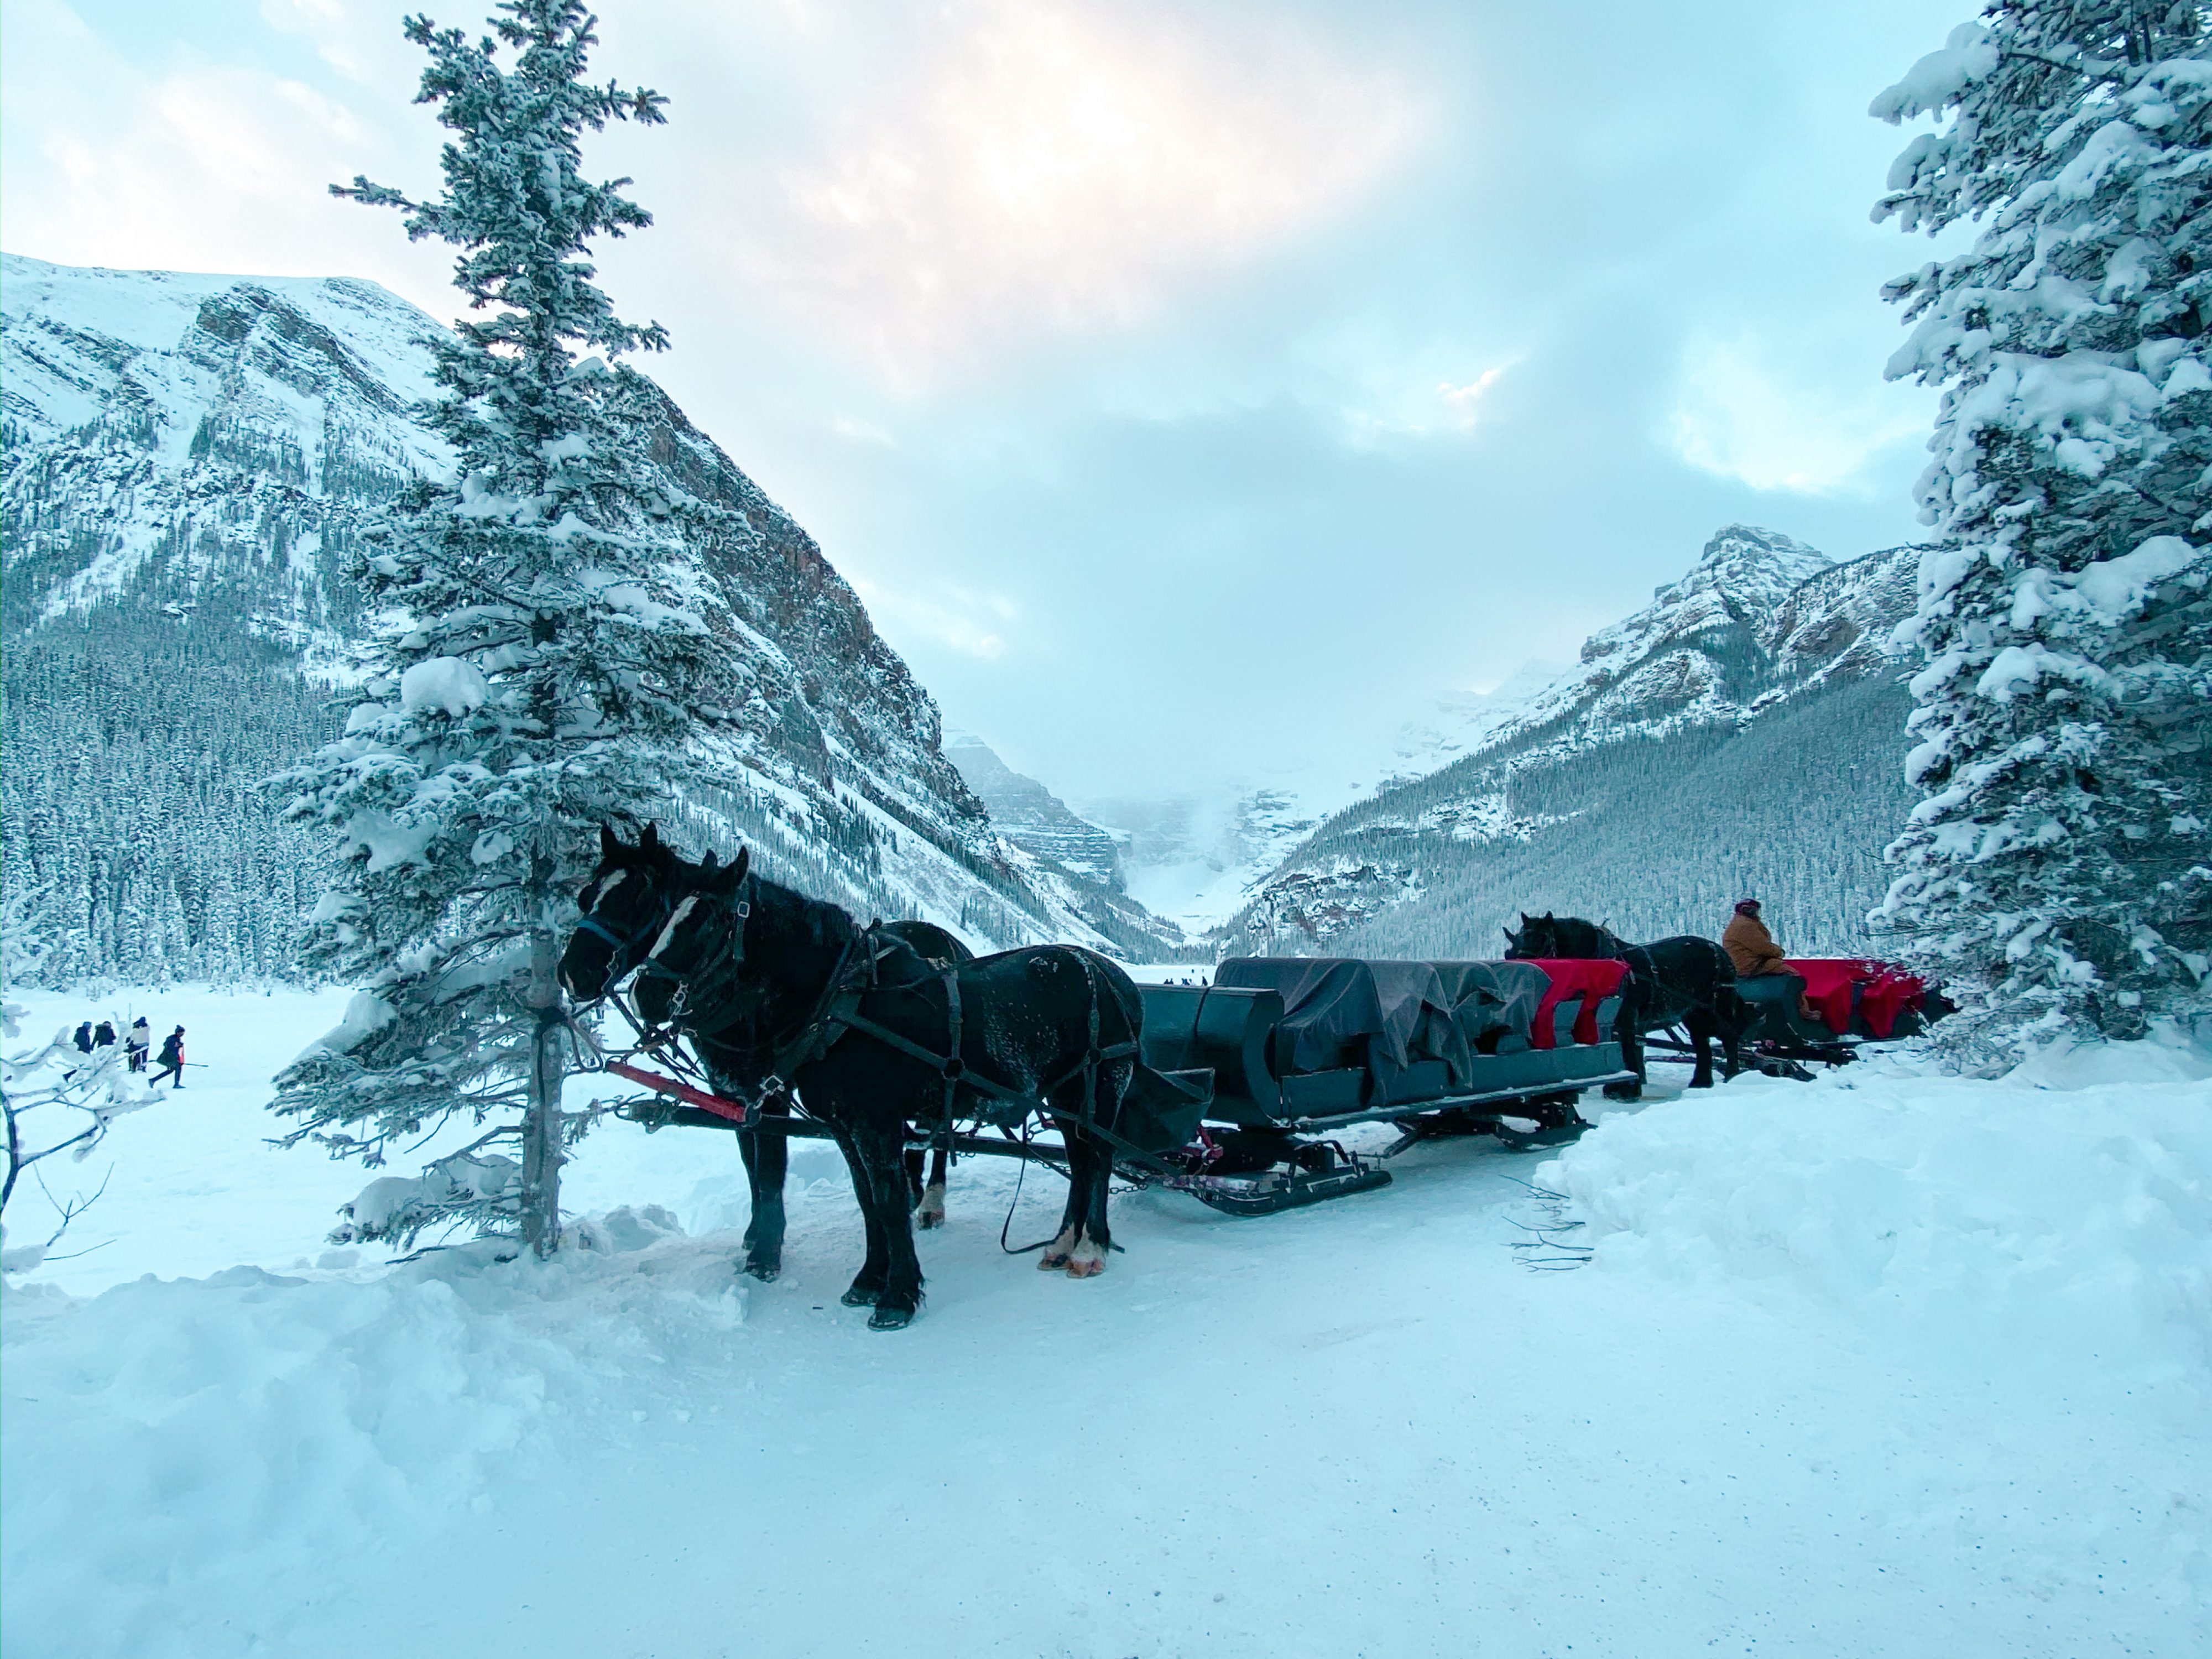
1066	854
187	458
1743	733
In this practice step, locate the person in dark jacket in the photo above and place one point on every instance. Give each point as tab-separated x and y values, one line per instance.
84	1038
173	1059
138	1044
103	1036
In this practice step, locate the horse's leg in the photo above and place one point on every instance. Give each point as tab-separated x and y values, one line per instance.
913	1161
1055	1254
868	1283
1700	1022
1094	1238
767	1153
898	1295
1632	1056
931	1212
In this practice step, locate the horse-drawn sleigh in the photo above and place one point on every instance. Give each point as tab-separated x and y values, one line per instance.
892	1041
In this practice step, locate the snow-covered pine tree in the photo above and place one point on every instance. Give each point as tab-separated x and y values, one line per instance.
542	660
2056	871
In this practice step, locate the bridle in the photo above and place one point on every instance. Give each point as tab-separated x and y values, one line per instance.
656	918
716	972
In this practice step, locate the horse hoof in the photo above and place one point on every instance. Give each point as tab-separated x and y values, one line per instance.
891	1319
927	1219
1695	1084
858	1298
1087	1262
760	1268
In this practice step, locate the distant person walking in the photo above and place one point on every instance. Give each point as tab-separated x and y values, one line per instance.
172	1060
103	1036
138	1044
84	1038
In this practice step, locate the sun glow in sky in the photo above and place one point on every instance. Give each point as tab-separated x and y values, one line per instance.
1194	390
1062	168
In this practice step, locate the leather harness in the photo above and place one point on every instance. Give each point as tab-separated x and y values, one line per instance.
837	1012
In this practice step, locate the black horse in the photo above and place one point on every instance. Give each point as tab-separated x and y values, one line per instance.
941	950
774	989
1684	981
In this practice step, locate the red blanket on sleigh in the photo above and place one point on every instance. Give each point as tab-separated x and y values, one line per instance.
1829	981
1590	982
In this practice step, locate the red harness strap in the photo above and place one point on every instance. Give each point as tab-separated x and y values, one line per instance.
699	1098
1573	979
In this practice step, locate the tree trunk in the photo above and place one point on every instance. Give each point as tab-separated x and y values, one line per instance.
541	1120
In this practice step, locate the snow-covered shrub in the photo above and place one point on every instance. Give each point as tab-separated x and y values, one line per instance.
54	1098
2058	871
540	662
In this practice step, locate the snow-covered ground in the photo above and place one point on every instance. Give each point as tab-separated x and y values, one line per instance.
1886	1365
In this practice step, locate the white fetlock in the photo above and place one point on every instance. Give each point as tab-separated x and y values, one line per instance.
1087	1261
932	1213
1057	1252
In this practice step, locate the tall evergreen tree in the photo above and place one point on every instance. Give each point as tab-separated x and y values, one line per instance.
542	662
2056	869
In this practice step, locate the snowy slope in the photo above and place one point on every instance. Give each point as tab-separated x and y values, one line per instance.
1196	856
188	459
1889	1365
1743	732
1460	724
1066	854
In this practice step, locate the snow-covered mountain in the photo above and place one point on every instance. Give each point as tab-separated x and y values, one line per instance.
1065	854
1453	726
1196	856
1743	732
187	458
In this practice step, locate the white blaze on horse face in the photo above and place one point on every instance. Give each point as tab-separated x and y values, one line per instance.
682	912
600	894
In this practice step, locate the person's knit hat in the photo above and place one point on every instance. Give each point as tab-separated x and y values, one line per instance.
1747	907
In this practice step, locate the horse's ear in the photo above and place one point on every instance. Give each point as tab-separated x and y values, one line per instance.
609	843
744	863
650	840
1524	918
707	867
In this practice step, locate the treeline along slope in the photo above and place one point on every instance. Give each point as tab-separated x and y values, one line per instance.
188	459
1744	733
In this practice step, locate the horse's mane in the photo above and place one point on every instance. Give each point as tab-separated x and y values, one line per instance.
794	917
1577	935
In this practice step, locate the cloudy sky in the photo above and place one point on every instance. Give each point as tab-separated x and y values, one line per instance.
1193	390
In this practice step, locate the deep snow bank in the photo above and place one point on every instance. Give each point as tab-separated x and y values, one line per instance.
1359	1428
256	1426
2063	1214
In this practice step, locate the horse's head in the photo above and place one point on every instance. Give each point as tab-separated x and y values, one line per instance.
1539	937
625	905
702	936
